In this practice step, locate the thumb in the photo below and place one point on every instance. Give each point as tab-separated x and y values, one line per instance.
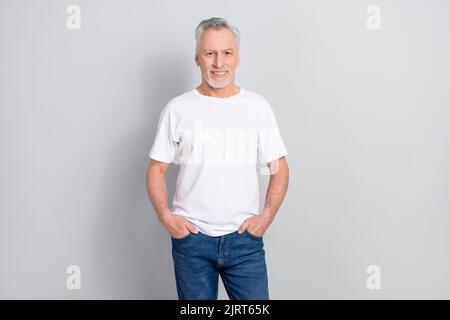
243	227
191	227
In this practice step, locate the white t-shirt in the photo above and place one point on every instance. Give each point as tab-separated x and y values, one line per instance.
220	144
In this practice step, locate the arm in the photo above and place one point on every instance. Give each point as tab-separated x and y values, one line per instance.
278	185
177	226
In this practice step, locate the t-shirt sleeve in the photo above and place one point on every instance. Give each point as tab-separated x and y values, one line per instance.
164	146
270	143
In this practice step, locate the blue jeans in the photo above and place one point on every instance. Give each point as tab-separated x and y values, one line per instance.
239	259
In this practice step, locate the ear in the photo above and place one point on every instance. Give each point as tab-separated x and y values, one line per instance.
196	58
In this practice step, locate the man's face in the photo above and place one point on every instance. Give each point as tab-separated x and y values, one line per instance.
217	57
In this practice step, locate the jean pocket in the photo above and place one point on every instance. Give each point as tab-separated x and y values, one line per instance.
252	235
183	238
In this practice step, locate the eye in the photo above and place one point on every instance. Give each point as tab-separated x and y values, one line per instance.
229	53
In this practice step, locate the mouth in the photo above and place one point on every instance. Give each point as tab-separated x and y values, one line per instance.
219	74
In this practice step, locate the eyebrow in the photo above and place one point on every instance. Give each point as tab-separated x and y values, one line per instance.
231	49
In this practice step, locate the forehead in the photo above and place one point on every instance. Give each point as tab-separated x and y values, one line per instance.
220	39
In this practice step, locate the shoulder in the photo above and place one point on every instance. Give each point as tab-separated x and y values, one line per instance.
250	94
257	99
180	100
177	104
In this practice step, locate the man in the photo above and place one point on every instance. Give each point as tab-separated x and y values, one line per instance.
217	130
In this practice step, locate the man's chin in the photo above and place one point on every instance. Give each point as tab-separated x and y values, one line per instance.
218	85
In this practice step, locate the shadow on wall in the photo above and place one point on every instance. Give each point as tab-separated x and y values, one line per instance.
132	254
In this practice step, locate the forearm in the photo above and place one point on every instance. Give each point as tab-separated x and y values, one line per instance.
276	189
157	192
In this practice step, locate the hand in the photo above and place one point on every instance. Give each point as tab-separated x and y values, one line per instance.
178	226
256	225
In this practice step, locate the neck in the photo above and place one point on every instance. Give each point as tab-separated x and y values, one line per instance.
228	91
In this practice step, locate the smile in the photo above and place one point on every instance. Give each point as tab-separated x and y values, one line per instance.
219	73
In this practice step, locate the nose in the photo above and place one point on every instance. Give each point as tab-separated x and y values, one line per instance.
218	61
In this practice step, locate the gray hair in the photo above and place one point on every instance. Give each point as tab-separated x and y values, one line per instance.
216	23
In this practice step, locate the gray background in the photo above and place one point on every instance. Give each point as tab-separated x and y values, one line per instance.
364	115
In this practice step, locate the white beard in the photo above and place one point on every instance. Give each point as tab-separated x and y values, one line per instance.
219	84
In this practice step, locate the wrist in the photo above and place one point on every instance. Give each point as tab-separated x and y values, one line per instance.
268	214
165	216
